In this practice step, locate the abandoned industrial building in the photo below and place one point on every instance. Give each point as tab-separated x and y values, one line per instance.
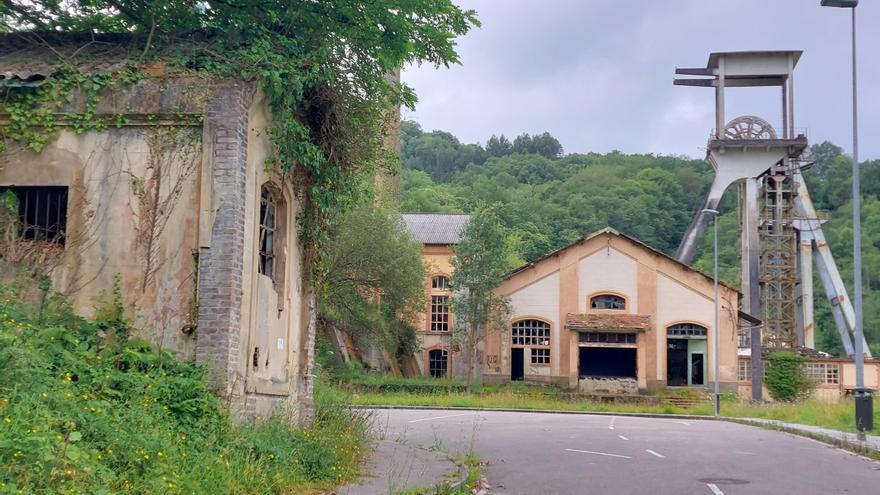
438	234
609	314
175	202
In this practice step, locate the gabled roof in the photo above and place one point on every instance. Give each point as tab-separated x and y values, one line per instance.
610	231
435	228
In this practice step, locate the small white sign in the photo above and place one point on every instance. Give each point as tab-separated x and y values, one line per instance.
280	344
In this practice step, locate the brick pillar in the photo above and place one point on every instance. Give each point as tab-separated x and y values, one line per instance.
218	344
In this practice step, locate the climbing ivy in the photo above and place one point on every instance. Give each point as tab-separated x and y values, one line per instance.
324	66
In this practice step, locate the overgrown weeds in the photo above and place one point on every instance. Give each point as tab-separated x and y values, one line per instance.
85	410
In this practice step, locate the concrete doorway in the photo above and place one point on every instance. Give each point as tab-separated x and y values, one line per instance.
517	364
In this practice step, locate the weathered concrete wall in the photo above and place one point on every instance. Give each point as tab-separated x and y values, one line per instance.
170	202
132	212
611	386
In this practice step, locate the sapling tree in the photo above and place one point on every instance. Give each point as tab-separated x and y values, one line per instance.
480	263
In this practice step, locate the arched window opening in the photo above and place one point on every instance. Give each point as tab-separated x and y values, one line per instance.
440	282
685	330
268	226
607	301
531	333
438	363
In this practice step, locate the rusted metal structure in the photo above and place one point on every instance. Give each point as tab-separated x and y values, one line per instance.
779	229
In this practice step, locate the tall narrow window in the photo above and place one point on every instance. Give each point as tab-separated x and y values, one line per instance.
439	313
268	216
42	213
607	301
438	363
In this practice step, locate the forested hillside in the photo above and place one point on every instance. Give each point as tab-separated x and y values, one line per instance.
551	199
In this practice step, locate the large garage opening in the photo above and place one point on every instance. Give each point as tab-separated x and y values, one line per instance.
607	362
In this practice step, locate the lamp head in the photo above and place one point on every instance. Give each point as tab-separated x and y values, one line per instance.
844	4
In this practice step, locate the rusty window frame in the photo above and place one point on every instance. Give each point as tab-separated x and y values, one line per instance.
42	212
540	355
268	227
530	332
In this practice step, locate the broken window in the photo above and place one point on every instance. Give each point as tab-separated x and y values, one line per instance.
440	283
685	330
439	313
42	212
540	356
823	373
607	301
268	217
530	332
438	362
607	338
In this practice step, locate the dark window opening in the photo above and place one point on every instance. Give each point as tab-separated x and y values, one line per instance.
608	362
606	338
607	301
440	283
517	364
439	313
42	213
438	363
268	214
677	362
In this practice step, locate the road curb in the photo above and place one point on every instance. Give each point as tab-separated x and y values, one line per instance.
543	411
854	447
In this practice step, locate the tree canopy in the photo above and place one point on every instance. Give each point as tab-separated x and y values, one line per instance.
548	203
324	65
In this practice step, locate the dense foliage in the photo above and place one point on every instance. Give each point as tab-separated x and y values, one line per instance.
479	266
549	203
375	280
84	409
325	67
785	377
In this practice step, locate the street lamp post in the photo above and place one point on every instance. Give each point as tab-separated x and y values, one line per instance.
716	333
864	397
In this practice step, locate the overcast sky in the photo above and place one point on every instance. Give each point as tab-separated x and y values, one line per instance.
597	74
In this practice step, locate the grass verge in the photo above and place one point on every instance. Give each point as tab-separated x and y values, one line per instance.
86	409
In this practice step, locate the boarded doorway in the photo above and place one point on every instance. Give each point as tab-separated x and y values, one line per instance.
517	364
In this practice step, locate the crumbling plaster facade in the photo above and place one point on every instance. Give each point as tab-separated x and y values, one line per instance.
169	201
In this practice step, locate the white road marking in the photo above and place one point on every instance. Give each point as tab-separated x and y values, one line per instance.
715	489
613	419
599	453
655	453
442	417
743	452
683	423
622	437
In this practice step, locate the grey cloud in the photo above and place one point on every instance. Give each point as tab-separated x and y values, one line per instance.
598	73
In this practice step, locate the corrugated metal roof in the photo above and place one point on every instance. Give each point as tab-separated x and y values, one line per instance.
607	322
27	58
435	228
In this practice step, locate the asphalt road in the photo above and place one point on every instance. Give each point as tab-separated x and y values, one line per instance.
538	454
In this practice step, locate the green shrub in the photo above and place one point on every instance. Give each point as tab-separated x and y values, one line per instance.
85	410
785	377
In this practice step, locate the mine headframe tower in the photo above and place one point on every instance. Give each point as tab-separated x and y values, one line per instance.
779	231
